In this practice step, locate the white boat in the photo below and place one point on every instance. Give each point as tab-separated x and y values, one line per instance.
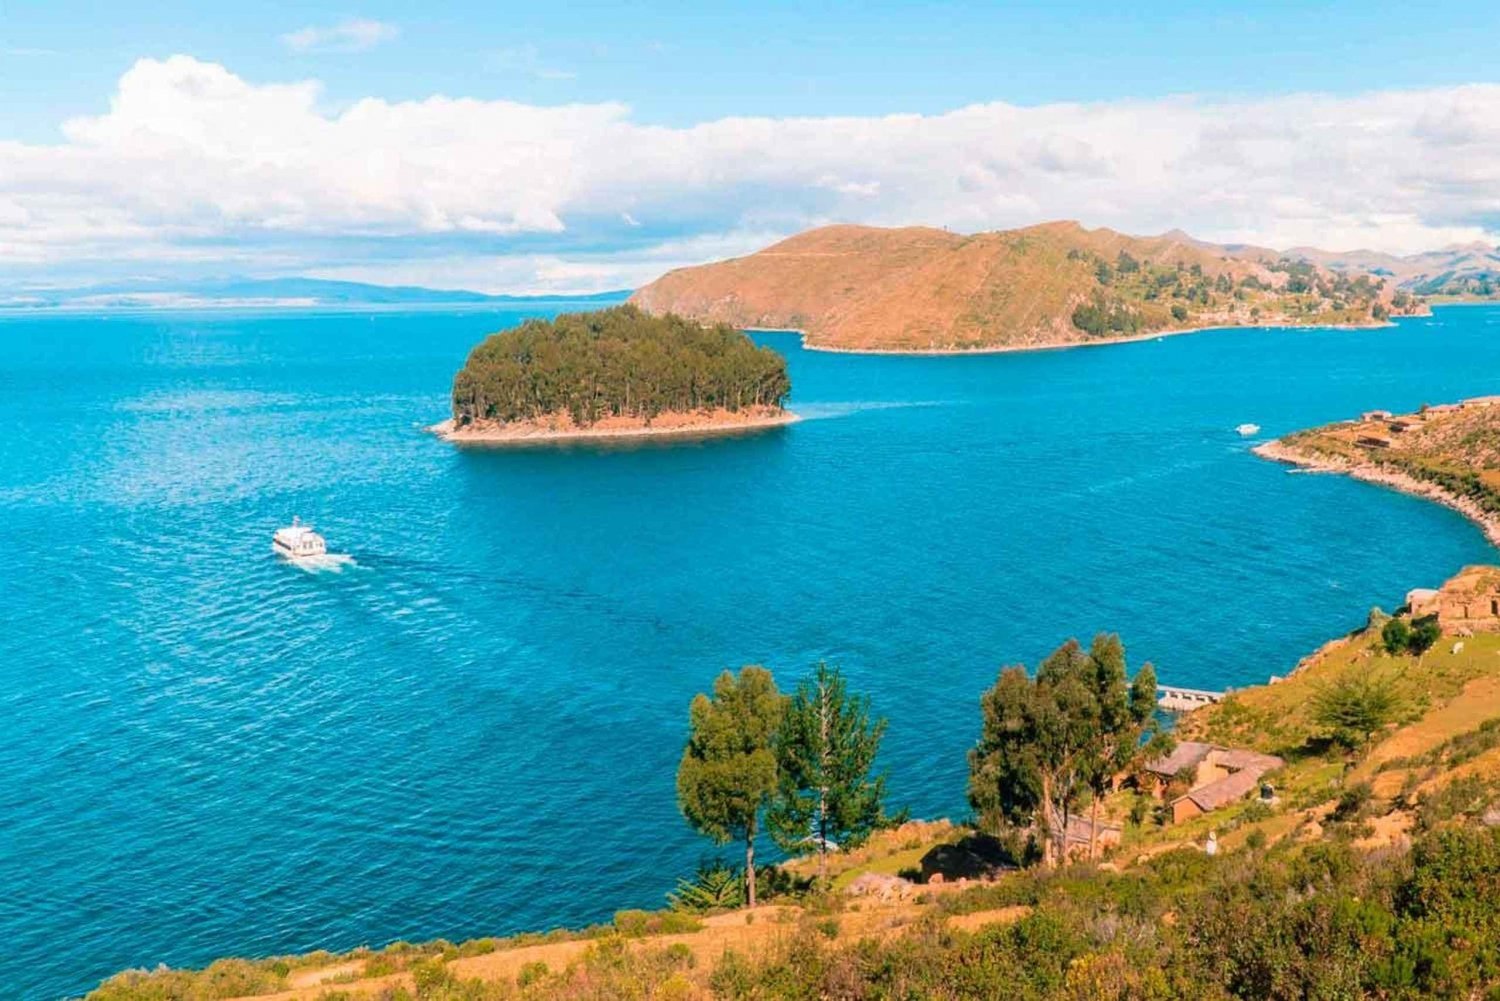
1246	430
298	541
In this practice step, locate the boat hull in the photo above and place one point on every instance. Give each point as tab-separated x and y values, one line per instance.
281	549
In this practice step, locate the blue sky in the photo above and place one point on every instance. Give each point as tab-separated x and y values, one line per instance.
1351	123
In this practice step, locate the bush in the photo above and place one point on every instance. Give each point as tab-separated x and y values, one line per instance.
638	924
1352	802
1425	632
714	886
1395	636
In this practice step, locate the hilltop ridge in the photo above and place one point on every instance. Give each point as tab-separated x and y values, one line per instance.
1053	284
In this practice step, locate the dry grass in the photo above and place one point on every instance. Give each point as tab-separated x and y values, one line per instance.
983	919
922	289
1478	702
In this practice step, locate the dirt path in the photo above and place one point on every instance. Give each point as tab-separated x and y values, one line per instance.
754	932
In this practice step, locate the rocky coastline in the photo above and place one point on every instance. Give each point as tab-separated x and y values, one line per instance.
1280	451
561	428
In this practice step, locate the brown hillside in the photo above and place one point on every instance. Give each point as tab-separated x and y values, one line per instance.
921	289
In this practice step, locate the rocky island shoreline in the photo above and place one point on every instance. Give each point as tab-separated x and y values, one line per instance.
562	428
1437	453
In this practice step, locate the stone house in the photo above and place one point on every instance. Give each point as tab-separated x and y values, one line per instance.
1220	776
1479	402
1080	832
1470	601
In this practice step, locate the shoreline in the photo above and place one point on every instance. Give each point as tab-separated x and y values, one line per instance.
667	425
1277	451
1068	345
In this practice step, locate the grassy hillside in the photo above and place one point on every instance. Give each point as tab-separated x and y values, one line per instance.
859	287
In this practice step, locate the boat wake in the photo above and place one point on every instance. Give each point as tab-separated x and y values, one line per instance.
825	411
324	563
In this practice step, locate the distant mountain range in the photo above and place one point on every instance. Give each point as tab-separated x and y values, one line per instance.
268	292
1470	269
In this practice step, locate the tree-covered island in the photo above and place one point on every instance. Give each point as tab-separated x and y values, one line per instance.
613	372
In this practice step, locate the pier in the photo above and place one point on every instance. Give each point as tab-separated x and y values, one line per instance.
1181	700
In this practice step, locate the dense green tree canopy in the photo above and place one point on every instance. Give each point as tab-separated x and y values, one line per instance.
1045	739
728	769
619	362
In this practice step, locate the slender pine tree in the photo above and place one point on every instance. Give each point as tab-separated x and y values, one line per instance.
826	794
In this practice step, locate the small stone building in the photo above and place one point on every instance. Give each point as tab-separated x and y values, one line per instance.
1080	834
1220	776
1469	601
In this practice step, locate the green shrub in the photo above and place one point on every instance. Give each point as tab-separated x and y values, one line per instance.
638	924
1352	802
1395	636
532	973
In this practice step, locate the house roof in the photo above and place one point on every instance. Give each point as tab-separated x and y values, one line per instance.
1232	787
1187	754
1244	759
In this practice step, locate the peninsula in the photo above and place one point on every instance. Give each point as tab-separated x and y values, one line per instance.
923	290
1449	453
615	373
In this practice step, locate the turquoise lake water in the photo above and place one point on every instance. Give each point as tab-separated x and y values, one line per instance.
473	727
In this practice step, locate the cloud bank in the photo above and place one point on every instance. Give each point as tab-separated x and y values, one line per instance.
193	164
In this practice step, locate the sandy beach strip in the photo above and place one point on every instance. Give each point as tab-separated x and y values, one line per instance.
669	424
1278	451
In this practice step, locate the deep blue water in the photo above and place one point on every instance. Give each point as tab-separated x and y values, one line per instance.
473	728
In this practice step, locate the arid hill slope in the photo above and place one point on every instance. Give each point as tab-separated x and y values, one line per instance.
920	289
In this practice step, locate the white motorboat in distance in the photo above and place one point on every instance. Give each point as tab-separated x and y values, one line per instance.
1246	430
298	541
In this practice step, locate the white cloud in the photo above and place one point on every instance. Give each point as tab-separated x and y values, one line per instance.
351	35
192	162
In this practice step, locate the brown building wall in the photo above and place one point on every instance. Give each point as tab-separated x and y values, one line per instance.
1185	809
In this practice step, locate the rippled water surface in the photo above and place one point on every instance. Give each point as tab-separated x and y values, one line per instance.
471	725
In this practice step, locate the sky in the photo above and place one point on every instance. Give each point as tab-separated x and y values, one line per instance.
581	147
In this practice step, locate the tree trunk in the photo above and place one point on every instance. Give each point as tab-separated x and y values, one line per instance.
823	787
750	863
1048	819
1094	827
1062	835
